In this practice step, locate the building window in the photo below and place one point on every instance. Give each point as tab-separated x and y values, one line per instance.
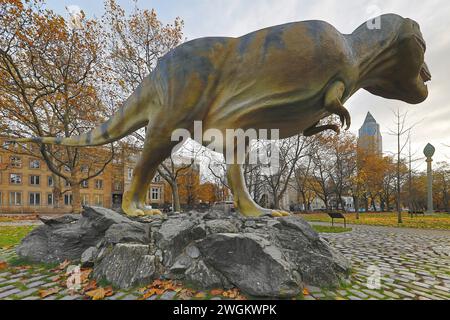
130	173
15	178
85	184
99	184
155	194
1	198
68	199
84	169
117	186
15	198
6	144
157	178
35	180
98	200
85	199
50	182
50	199
68	184
67	169
35	164
16	162
35	199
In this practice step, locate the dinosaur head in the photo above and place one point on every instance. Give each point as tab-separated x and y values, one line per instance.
397	70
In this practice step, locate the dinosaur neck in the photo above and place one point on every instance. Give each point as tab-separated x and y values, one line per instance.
375	54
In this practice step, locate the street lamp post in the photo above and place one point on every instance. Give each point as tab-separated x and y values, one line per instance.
429	153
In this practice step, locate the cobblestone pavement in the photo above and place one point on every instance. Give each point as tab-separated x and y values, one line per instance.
409	264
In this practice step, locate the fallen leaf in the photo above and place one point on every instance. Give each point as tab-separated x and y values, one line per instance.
3	265
200	295
232	294
22	268
62	266
49	292
92	285
84	276
97	294
109	291
305	292
217	292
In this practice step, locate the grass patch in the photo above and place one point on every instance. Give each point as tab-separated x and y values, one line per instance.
18	218
20	262
12	236
434	222
325	229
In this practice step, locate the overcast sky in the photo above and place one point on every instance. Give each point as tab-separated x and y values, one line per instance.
237	17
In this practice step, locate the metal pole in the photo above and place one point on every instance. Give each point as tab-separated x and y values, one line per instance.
429	153
430	185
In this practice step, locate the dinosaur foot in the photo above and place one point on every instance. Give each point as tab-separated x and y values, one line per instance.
142	212
280	213
137	209
250	209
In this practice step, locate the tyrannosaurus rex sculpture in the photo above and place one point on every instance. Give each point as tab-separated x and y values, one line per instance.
287	77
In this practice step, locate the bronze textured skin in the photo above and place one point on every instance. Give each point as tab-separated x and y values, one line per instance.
287	77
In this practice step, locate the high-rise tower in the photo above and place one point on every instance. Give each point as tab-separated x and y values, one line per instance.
370	138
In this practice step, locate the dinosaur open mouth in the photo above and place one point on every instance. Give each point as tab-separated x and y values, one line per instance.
425	73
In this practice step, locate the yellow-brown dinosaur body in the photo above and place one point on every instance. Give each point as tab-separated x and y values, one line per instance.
286	77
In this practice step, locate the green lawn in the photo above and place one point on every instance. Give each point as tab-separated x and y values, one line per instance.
436	221
325	229
11	236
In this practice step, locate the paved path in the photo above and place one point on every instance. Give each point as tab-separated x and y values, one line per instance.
406	263
410	263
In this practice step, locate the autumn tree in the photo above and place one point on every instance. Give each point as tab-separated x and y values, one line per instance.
302	183
442	185
50	69
343	152
290	152
322	167
135	42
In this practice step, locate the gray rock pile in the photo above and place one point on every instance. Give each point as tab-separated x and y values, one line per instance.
264	257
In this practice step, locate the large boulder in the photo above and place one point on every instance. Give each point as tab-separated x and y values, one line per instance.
127	265
264	257
252	264
69	236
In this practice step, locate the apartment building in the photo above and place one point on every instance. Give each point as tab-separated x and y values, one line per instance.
28	186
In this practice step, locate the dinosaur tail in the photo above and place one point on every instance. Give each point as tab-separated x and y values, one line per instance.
127	119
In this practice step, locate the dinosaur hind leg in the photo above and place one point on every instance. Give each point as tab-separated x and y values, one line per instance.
244	203
157	148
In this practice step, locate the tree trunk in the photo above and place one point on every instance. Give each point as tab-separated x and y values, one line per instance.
276	202
76	198
356	203
175	197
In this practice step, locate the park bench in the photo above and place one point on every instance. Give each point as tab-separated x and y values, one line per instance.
416	213
337	215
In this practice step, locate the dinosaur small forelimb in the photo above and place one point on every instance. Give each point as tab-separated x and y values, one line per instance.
334	105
